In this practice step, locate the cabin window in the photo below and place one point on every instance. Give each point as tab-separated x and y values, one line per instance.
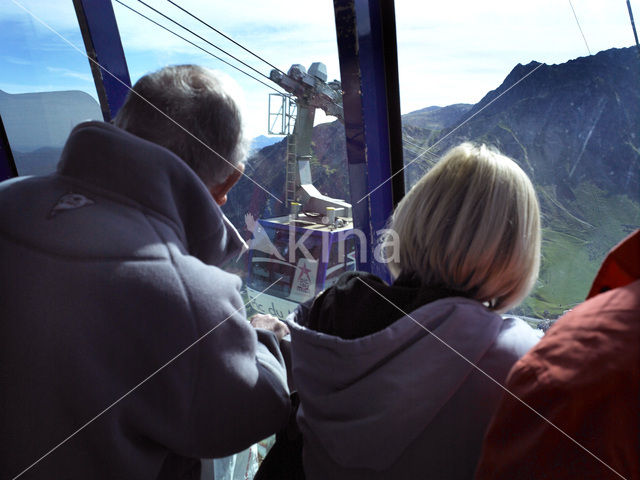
46	87
282	37
572	124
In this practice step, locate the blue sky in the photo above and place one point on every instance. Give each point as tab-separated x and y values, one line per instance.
449	52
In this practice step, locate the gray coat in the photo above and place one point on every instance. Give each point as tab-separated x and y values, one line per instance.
399	404
108	272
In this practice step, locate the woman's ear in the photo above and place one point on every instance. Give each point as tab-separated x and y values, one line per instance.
219	192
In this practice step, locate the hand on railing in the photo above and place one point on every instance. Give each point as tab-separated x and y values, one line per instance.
271	323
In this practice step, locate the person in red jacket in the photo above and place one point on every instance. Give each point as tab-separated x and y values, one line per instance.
583	377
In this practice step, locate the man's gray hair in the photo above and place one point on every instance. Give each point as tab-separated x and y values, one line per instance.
194	98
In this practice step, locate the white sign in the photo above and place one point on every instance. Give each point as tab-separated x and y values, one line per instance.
276	306
304	282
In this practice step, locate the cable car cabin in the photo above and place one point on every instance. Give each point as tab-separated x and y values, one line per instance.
575	134
300	257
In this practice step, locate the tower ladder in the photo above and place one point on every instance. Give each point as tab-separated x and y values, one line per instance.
290	181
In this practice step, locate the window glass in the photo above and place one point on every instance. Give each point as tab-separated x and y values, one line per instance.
273	262
281	37
281	34
46	87
555	88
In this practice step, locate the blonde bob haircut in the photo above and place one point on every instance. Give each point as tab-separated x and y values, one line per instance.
471	224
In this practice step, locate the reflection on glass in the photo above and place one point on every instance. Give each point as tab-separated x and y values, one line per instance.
298	261
46	87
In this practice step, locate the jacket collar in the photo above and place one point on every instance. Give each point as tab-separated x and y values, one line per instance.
621	267
112	159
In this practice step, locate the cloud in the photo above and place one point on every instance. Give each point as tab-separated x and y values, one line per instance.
60	15
16	61
457	51
65	72
16	88
448	51
281	35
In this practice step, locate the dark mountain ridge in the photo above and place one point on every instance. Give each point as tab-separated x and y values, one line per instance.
574	121
258	143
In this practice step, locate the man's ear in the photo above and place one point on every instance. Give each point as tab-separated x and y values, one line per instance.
219	192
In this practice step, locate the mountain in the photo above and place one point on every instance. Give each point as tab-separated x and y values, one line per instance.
262	141
435	118
574	122
37	162
572	127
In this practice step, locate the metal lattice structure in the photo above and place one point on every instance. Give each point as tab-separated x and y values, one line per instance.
282	114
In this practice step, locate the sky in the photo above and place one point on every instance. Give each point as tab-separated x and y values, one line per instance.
448	52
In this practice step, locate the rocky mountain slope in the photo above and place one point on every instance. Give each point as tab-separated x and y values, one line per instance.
574	129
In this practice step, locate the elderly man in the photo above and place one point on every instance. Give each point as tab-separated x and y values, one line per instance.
125	350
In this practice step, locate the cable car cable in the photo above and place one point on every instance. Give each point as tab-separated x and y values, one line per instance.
224	35
202	38
411	148
419	147
579	27
199	47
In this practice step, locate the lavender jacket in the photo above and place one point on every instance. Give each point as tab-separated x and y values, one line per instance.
109	272
400	404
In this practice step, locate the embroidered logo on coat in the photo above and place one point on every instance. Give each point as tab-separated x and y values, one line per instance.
70	201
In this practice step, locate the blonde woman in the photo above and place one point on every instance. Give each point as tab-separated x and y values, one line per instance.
399	381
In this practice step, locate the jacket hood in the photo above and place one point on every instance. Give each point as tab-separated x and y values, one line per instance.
366	399
117	162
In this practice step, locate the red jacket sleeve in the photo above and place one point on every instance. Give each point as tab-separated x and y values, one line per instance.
583	378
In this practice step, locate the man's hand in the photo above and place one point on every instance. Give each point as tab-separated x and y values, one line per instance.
250	222
271	323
